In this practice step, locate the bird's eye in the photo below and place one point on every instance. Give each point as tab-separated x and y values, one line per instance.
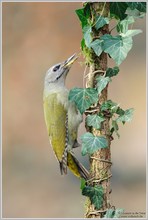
56	68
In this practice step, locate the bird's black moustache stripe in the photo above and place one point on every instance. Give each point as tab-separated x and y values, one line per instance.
58	77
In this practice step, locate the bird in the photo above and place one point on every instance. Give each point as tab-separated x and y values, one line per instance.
62	118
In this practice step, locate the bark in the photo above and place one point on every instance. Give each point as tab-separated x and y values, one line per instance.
100	161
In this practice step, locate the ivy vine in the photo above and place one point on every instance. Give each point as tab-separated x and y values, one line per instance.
117	47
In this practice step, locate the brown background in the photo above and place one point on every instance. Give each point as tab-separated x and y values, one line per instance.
36	36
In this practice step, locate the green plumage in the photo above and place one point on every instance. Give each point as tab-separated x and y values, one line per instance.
55	117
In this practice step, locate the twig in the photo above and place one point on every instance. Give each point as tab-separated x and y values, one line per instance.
103	160
91	111
95	212
100	180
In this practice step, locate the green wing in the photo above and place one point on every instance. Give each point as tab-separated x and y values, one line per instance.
55	117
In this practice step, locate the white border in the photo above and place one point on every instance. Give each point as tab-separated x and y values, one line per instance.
1	103
1	97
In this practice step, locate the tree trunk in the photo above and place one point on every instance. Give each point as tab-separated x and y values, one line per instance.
100	161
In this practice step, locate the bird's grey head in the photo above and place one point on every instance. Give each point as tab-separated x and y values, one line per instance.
57	73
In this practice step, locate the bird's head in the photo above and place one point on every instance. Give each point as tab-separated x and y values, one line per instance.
57	73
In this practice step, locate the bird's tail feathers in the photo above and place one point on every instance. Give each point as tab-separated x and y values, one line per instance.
62	168
74	165
83	172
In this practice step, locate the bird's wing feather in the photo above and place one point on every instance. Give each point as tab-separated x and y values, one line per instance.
55	118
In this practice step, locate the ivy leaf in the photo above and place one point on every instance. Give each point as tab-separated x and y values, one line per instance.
118	9
127	116
120	111
109	106
82	43
95	194
91	143
87	10
109	213
122	26
83	98
141	6
83	183
110	72
131	33
117	47
97	47
101	21
94	121
115	128
87	35
134	13
81	15
118	213
102	83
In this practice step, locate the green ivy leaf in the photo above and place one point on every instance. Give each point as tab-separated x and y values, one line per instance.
127	116
109	213
102	83
83	183
82	44
117	47
113	213
118	213
101	21
82	17
83	14
115	128
131	33
94	121
97	46
122	26
110	72
118	9
120	111
91	143
110	106
83	98
95	194
141	6
87	10
134	13
87	30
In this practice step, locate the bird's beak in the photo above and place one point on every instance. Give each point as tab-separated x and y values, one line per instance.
70	61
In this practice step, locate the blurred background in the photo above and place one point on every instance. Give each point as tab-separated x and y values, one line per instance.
35	36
